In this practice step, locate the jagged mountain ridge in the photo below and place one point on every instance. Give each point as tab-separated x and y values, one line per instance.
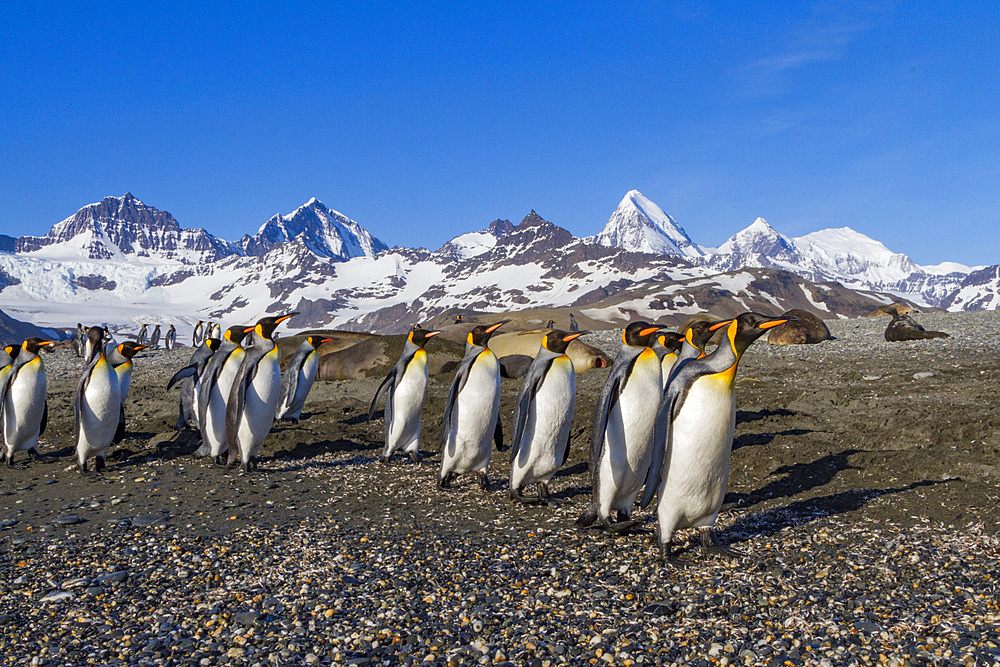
640	225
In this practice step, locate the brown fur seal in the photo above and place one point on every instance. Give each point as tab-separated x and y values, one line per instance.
374	356
904	327
584	357
806	329
339	340
898	307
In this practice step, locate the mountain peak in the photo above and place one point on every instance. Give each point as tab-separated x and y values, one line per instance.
640	225
326	232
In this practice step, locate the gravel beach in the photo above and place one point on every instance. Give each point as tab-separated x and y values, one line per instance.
864	487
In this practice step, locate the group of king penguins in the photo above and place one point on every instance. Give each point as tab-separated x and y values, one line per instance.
203	331
664	422
143	338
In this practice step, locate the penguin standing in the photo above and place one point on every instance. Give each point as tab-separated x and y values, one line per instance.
574	326
214	386
24	408
694	436
471	415
298	378
97	407
170	339
216	330
121	360
78	339
140	337
667	346
692	346
622	441
197	334
154	339
188	377
543	415
253	399
7	355
405	388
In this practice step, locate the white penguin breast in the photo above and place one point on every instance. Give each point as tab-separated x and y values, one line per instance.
474	416
24	404
550	416
261	400
408	398
307	373
100	406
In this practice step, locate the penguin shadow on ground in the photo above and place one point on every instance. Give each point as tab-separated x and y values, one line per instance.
303	453
749	416
806	511
759	439
798	477
571	492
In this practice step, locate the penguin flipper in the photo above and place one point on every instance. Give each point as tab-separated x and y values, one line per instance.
498	435
238	396
525	397
387	384
186	372
45	418
120	431
461	377
670	406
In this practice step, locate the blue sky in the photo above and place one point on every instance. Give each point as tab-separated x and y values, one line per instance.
422	122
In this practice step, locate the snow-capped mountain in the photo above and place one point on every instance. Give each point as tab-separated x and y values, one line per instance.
979	290
640	225
124	226
326	232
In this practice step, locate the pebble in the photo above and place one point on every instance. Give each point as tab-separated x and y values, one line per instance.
923	375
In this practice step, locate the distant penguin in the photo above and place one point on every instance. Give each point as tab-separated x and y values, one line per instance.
404	388
621	444
214	386
188	377
216	330
253	400
154	340
471	415
904	327
543	415
694	436
551	324
667	346
121	360
140	337
97	407
574	326
198	335
24	408
79	339
298	378
170	339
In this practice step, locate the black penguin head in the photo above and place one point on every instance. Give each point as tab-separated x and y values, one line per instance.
129	348
699	333
213	343
237	334
316	341
551	324
266	325
639	334
670	341
482	333
748	327
33	345
12	350
557	341
95	336
419	337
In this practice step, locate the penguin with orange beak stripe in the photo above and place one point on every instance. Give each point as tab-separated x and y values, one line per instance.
694	436
543	415
24	408
471	415
405	388
622	441
300	373
253	399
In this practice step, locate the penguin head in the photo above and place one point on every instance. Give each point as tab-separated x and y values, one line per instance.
95	336
480	336
419	337
699	333
639	334
237	334
266	325
33	345
12	350
747	327
670	341
316	341
557	341
129	348
213	343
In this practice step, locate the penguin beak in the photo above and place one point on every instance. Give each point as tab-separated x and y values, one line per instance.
249	329
46	342
772	323
431	334
325	340
279	320
573	336
719	325
649	330
140	347
496	326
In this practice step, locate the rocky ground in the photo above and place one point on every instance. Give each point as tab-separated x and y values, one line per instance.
865	487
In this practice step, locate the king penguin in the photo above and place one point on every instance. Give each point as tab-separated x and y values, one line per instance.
667	346
154	339
7	355
543	415
170	338
188	377
214	385
121	359
253	399
298	378
694	436
79	338
140	337
471	415
197	336
215	330
692	347
24	409
621	444
404	388
97	407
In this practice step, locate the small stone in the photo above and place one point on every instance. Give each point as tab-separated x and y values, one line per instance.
69	520
76	583
923	375
235	652
311	658
56	596
248	618
111	578
150	520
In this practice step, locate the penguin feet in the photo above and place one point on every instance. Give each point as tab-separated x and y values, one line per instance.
15	466
39	458
415	458
621	527
710	544
82	467
99	464
523	499
384	460
446	482
484	481
220	461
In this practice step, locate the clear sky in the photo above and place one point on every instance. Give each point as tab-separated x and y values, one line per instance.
425	120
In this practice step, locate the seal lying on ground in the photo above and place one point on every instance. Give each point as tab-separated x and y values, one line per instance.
806	329
904	327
